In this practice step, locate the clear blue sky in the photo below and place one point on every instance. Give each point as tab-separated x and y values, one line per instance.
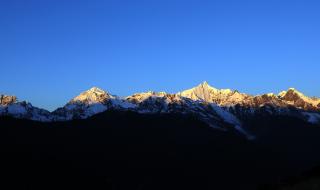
51	50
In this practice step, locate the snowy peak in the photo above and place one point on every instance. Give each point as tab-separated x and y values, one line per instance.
6	100
10	106
205	92
92	96
298	99
151	102
206	86
89	103
202	92
291	92
207	102
226	97
96	90
140	97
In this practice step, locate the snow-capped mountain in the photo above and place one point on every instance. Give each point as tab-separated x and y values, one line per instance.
9	105
89	103
290	102
152	102
228	98
216	107
299	100
205	92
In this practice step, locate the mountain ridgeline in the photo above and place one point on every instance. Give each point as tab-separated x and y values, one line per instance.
217	108
201	138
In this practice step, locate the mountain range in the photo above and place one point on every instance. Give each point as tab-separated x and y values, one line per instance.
216	107
201	138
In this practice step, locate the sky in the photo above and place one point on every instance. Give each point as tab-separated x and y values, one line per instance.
51	50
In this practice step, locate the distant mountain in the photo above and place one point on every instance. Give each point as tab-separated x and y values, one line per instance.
201	138
88	104
9	105
227	97
220	109
299	100
205	92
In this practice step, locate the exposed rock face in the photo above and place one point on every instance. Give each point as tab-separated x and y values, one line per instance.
299	100
6	100
264	100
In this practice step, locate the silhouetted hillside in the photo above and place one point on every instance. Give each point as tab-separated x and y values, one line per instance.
127	150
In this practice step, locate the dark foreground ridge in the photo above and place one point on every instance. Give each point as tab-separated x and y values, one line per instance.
127	150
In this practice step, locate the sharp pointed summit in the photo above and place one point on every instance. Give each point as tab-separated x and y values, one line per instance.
207	93
202	92
206	86
205	83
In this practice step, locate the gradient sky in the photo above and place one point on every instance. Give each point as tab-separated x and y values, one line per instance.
51	50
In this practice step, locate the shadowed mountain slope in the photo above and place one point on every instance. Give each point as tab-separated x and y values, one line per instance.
128	150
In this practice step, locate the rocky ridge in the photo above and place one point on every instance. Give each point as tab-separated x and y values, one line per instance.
218	108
